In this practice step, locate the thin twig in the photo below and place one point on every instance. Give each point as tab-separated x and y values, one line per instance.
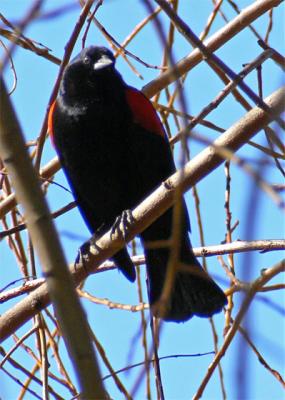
253	289
42	231
150	209
247	16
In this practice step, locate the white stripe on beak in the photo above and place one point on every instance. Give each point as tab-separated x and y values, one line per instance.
103	62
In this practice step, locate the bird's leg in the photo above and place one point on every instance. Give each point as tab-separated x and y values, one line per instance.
122	223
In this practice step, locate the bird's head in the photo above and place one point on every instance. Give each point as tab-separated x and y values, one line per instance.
90	73
95	59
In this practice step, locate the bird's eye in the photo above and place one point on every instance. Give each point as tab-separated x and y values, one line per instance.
86	60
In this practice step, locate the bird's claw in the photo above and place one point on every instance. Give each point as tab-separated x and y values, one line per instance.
122	223
84	252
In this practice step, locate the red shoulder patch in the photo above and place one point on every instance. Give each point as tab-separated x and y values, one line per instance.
50	121
144	112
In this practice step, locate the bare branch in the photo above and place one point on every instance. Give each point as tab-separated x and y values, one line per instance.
45	240
246	17
253	289
151	208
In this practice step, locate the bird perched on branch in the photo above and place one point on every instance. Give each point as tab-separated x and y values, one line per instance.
114	152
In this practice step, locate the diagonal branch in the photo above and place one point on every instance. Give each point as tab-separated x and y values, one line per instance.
254	287
211	58
217	40
151	208
45	240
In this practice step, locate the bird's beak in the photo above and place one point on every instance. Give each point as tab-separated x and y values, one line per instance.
103	62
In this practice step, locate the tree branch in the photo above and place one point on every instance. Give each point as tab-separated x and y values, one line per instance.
222	36
151	208
239	246
45	240
253	289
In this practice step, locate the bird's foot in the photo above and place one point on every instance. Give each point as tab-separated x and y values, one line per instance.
84	251
122	223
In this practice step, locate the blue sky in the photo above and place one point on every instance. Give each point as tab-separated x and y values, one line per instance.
117	329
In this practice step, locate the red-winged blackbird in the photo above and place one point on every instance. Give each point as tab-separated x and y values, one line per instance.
114	152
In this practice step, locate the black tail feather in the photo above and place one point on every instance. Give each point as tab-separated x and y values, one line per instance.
125	264
193	292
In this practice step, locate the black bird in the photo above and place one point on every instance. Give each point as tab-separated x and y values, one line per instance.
114	152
